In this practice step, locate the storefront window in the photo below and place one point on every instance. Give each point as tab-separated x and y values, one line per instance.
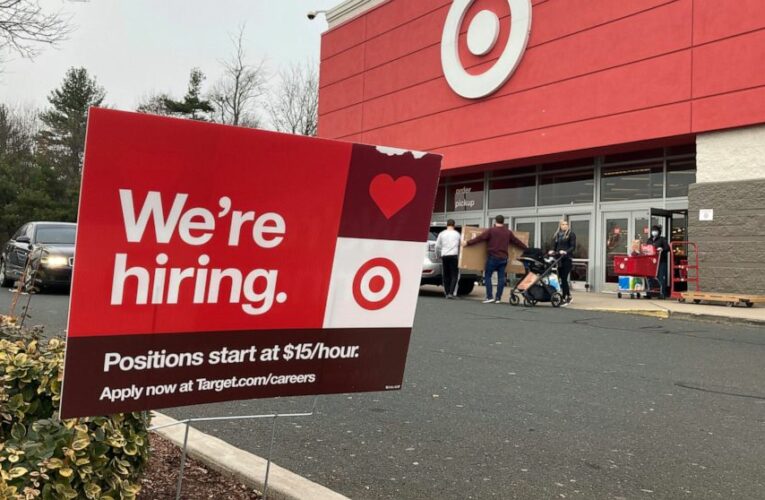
680	175
440	204
679	234
464	196
514	171
616	244
683	149
642	229
548	230
527	227
578	164
634	156
581	228
633	182
679	227
512	193
565	188
578	271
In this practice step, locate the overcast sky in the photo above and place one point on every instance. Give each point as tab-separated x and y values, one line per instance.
138	47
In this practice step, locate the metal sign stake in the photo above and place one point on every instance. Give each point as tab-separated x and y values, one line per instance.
273	416
268	463
183	462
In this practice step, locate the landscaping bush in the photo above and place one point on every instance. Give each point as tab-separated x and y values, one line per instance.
44	457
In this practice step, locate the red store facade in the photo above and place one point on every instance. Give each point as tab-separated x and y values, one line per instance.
594	110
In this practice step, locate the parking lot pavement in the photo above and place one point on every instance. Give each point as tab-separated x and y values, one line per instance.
48	309
503	402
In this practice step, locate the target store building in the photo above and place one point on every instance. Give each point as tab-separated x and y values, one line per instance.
613	114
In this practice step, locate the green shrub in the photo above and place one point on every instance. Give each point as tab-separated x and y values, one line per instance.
44	457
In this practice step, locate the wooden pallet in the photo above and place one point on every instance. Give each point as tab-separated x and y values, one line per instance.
730	299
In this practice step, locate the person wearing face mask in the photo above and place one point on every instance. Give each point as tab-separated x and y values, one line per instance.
659	242
564	244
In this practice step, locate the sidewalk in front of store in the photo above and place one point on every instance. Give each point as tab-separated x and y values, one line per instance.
609	302
668	308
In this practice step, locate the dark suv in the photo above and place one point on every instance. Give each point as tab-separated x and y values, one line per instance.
45	250
432	269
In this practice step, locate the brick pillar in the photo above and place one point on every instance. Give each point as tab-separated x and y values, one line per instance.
732	245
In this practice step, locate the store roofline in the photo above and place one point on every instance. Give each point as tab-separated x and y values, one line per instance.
348	10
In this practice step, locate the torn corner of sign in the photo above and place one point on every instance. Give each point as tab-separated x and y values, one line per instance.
398	152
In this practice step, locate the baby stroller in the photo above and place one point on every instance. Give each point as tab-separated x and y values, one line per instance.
540	284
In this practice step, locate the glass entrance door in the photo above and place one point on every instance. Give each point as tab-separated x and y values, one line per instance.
547	228
528	225
542	230
580	271
617	230
621	230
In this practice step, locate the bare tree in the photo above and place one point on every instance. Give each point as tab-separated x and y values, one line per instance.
24	25
18	127
154	104
294	105
235	95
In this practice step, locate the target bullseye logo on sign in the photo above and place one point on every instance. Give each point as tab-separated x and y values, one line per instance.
376	283
482	36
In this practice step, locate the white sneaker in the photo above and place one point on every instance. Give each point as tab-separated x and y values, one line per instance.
498	301
488	301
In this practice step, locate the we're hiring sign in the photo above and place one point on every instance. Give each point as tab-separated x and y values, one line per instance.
218	263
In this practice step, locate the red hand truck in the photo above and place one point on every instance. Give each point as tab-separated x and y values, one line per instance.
686	270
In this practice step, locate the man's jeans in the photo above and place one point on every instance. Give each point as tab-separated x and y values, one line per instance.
498	265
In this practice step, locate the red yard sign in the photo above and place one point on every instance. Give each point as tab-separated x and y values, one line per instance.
216	263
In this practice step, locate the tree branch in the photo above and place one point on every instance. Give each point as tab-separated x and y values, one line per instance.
24	25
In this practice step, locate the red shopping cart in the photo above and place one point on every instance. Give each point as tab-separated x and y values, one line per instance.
637	274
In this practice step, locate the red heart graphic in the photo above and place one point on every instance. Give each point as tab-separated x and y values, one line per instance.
391	196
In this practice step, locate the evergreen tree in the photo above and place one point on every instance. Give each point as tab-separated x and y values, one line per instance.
192	106
62	139
29	189
154	105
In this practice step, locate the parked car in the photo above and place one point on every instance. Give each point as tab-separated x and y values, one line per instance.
432	270
45	250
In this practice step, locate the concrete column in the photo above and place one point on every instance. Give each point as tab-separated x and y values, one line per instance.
731	182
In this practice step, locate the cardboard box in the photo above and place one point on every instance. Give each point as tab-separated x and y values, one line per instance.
474	257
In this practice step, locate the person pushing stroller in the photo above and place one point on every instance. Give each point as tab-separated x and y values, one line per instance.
564	244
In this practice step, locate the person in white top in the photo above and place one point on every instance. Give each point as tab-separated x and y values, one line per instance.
448	248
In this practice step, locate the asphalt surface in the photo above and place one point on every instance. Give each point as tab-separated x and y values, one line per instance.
47	309
503	402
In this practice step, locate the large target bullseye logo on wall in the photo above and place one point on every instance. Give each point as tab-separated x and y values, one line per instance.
483	33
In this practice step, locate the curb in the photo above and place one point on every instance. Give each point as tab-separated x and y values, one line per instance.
666	314
654	313
718	319
244	466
